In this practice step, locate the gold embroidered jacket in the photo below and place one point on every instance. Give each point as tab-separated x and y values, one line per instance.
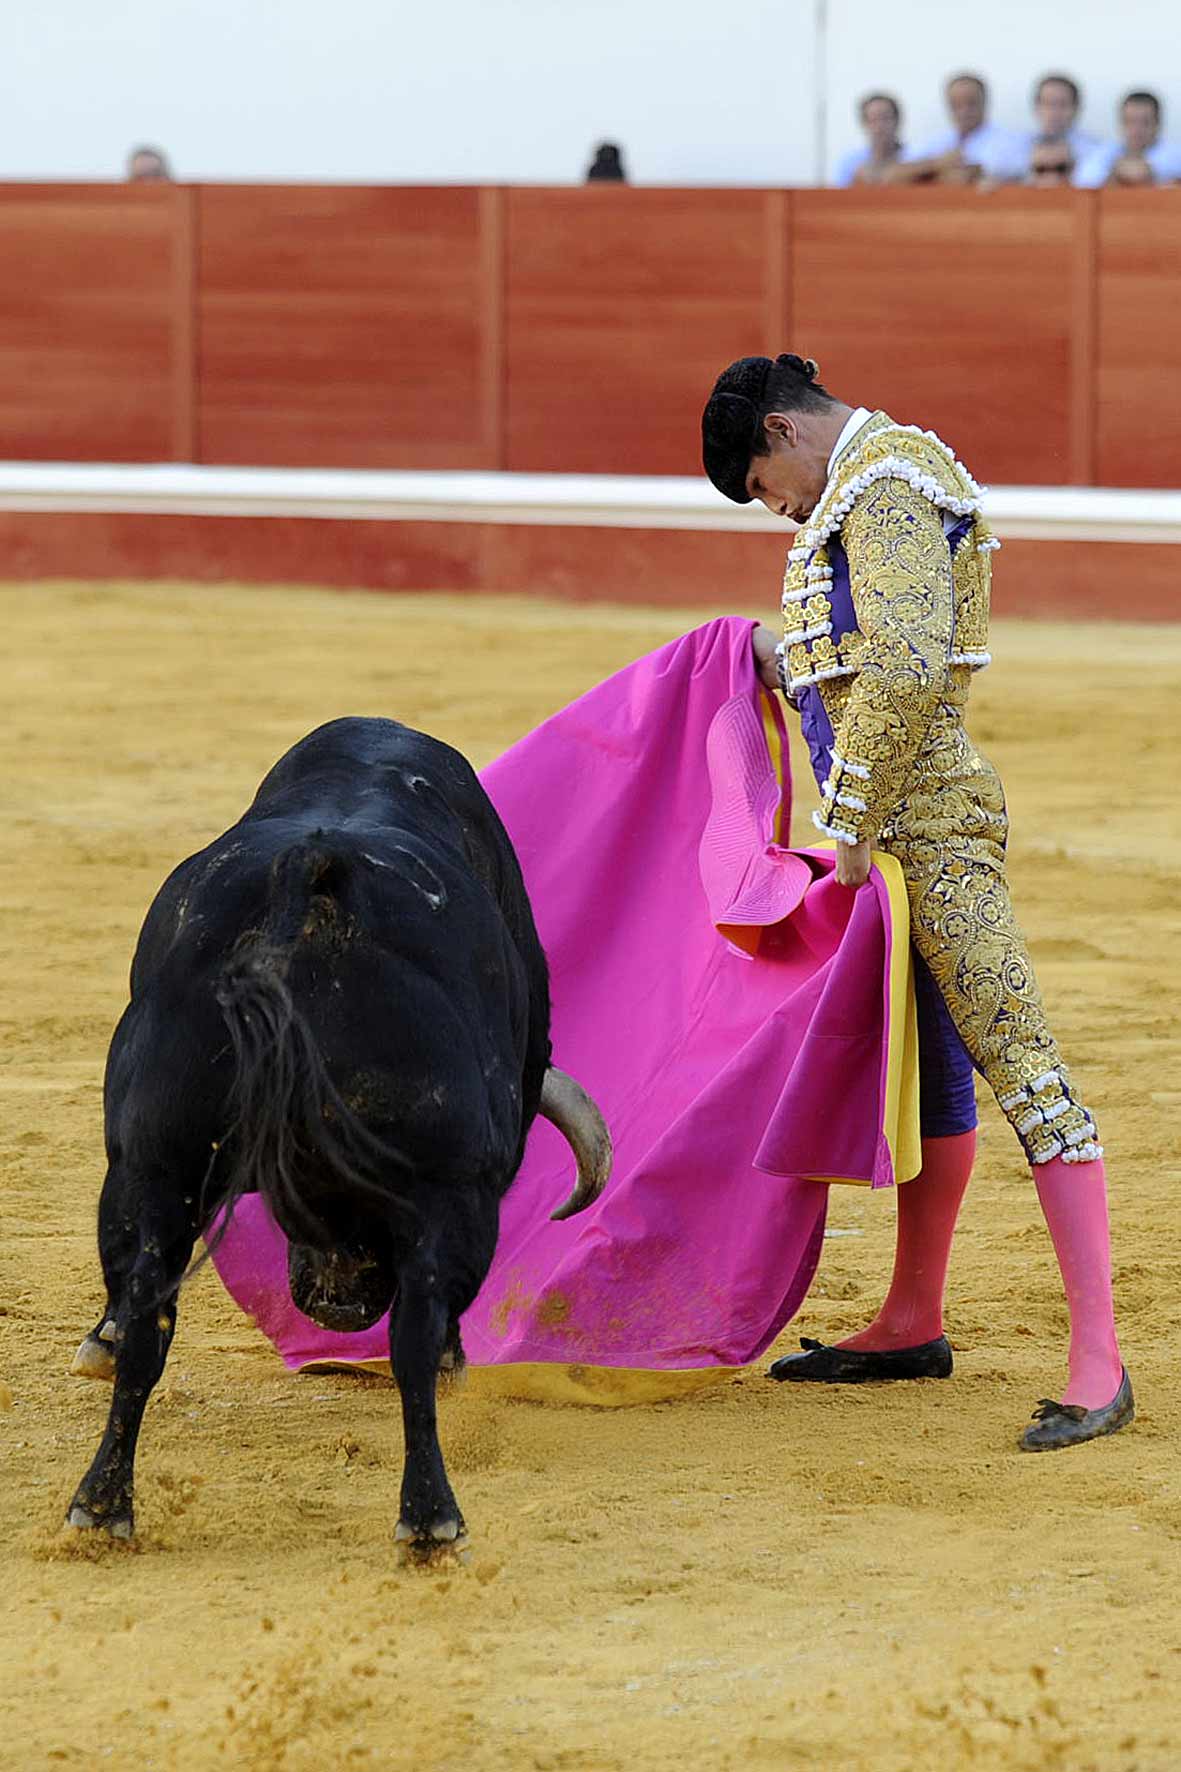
921	615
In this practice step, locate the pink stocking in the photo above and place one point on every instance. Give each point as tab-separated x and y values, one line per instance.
1074	1199
928	1208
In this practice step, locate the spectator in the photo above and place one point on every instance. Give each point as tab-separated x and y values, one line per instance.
1057	101
147	166
881	119
1132	170
607	165
972	141
1142	158
1051	162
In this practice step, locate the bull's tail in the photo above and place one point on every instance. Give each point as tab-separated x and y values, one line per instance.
292	1137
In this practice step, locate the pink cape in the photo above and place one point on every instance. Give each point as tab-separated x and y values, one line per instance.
739	1071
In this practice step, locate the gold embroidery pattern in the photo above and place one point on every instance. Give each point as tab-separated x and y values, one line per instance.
901	581
949	837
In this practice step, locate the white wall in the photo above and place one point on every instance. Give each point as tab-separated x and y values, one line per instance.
698	91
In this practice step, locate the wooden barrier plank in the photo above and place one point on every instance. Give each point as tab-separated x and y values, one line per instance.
726	573
491	305
343	327
1083	340
86	322
1138	372
622	307
777	220
952	310
184	323
111	545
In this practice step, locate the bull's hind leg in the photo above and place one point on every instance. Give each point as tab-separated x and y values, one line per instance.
145	1263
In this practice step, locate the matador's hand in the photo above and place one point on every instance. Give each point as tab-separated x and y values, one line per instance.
854	861
766	664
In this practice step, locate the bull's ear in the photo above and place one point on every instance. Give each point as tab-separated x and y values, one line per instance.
567	1106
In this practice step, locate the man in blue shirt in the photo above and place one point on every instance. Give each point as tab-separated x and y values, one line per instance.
1057	101
998	153
1141	157
881	119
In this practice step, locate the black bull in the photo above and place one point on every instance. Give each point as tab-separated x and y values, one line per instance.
341	1004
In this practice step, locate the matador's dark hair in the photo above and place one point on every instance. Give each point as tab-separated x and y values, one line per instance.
732	424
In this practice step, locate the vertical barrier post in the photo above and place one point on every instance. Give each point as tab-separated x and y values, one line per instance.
491	297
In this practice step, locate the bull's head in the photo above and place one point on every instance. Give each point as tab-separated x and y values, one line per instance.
345	1290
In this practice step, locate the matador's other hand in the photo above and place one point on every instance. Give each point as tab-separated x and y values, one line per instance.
766	664
854	861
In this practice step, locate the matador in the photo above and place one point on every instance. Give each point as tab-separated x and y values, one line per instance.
886	616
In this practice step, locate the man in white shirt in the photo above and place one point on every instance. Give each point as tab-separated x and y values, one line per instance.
1057	102
1141	157
881	119
998	153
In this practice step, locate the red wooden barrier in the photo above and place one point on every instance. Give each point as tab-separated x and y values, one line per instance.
348	327
1138	356
579	329
951	309
621	307
92	342
727	572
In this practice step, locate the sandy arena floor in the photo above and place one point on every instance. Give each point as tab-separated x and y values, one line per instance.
836	1579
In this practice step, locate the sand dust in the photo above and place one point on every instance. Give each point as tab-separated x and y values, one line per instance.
745	1578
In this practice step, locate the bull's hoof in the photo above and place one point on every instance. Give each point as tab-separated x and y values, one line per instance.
443	1537
339	1291
118	1525
453	1365
95	1357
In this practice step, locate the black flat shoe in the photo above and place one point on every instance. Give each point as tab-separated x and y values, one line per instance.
844	1365
1057	1425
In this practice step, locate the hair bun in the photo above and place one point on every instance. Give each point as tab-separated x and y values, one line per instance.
804	366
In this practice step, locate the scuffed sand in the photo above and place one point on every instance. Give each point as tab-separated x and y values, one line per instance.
750	1577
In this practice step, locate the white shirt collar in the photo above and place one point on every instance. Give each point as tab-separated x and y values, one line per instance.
852	425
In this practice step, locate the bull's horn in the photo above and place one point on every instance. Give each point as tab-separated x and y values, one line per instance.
569	1107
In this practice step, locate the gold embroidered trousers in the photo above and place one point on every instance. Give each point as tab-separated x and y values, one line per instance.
949	837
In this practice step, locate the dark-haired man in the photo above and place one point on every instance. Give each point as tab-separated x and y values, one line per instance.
1057	101
881	119
147	166
999	154
607	165
885	606
1140	157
